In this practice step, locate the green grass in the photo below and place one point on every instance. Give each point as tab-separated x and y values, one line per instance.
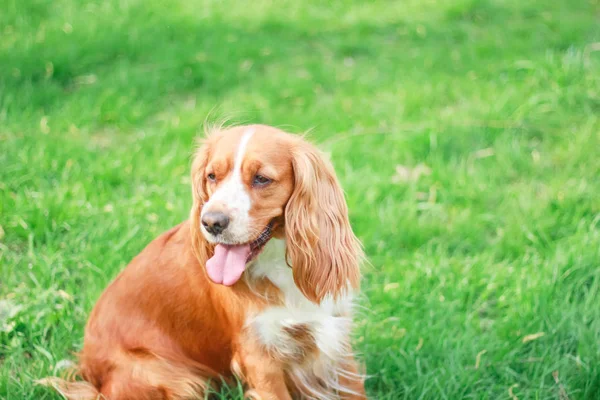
100	102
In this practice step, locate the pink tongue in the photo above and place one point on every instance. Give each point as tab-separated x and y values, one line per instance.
228	263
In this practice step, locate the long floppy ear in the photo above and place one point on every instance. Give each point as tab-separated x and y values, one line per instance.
324	253
202	249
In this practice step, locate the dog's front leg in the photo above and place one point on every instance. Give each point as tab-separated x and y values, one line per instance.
260	372
353	381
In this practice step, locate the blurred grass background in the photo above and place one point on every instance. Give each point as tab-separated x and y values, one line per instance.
465	133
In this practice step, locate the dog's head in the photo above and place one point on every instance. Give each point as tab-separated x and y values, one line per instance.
251	183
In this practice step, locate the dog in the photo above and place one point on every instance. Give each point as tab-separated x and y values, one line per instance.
258	284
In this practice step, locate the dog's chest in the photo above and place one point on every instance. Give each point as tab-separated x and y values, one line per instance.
298	328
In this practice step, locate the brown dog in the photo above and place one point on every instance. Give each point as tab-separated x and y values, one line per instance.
258	283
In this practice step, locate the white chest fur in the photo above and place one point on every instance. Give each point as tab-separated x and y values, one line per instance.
327	327
329	323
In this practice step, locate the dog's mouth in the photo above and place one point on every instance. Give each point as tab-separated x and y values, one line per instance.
229	261
259	243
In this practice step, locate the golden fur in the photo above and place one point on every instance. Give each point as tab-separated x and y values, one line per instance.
162	329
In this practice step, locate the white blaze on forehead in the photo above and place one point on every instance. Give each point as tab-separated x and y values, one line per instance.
233	196
241	151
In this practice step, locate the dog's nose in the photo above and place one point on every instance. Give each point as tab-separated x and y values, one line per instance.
215	222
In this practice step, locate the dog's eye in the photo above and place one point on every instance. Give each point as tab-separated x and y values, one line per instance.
260	180
211	177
